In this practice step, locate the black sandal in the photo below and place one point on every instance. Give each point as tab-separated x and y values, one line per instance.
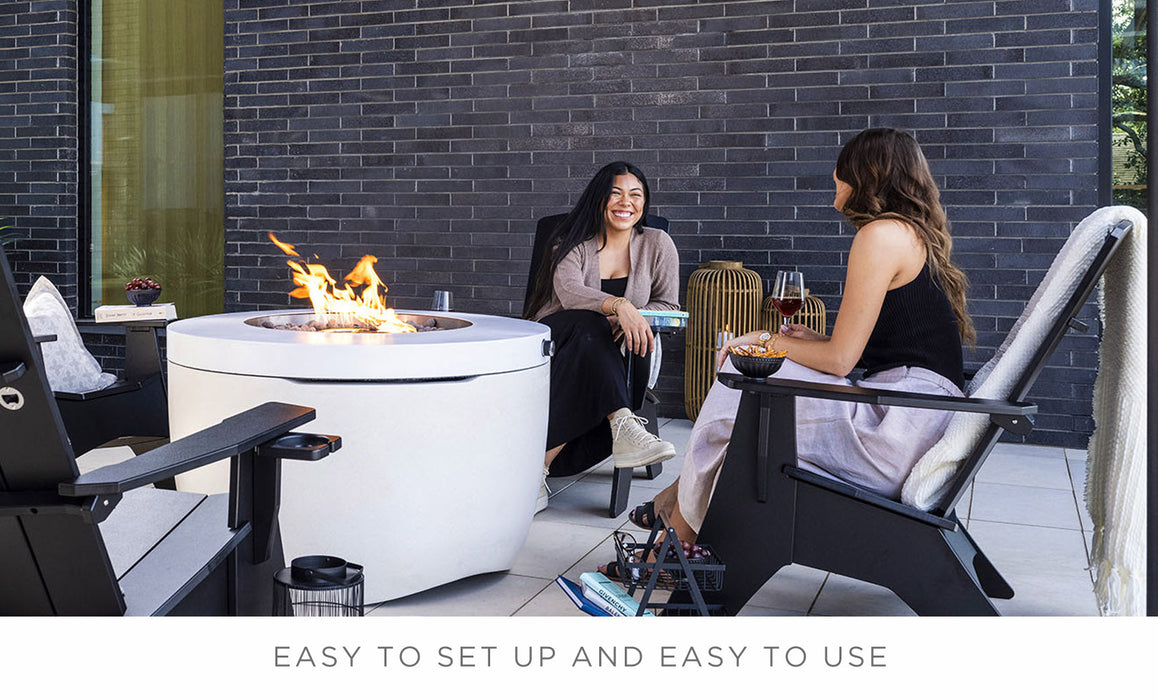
643	516
637	574
613	571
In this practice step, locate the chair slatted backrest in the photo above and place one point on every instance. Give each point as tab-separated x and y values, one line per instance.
545	229
54	563
1029	373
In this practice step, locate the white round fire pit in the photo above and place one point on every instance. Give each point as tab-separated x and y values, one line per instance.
442	434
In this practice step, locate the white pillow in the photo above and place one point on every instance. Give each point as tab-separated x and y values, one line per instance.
69	365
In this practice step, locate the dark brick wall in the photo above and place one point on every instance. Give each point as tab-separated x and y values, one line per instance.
38	140
433	138
432	133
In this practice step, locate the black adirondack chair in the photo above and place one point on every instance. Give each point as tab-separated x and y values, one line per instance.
766	512
643	401
100	544
135	405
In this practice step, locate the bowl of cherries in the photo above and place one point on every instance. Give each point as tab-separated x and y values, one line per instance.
142	292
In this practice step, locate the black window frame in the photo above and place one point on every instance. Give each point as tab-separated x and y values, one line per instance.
84	297
1105	100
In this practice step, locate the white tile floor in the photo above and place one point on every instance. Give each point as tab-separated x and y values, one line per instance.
1025	510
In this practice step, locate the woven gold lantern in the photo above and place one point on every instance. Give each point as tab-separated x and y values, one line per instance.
723	300
810	315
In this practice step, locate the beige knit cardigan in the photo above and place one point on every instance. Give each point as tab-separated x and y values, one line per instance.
653	282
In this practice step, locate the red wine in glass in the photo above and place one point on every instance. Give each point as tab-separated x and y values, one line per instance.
788	307
788	293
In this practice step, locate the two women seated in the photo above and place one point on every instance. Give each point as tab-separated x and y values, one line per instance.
902	319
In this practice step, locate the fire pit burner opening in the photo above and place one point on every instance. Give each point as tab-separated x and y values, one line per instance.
345	323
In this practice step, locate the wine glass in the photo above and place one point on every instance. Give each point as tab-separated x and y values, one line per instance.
788	293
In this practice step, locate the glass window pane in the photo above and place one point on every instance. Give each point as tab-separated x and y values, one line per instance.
1128	103
157	150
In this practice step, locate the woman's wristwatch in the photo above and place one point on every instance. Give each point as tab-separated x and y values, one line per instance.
765	337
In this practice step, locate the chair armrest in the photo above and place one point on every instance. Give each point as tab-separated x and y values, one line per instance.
232	436
879	397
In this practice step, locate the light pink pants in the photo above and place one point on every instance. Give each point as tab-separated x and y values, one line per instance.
874	447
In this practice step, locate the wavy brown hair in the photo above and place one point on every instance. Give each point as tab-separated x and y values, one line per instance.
890	179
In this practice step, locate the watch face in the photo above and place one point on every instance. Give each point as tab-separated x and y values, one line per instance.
765	337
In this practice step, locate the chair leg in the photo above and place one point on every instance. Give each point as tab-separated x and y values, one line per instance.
930	568
752	537
945	581
649	412
620	491
993	583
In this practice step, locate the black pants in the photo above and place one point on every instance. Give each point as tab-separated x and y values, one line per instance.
588	382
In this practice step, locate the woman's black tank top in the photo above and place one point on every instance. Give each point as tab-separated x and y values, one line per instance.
615	286
916	328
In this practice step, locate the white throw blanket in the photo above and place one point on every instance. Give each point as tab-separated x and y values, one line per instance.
1116	464
1118	448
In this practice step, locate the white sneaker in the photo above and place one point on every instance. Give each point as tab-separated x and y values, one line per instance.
632	446
544	494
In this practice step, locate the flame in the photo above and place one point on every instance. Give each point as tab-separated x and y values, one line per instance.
367	309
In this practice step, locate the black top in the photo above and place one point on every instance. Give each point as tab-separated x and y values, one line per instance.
615	286
916	328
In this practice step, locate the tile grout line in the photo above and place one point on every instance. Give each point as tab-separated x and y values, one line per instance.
816	598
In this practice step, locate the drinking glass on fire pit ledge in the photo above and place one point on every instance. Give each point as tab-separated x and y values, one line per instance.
443	301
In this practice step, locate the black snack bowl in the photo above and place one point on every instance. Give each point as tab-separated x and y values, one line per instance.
758	367
142	297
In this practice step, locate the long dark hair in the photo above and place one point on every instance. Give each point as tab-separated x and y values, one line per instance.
890	179
585	221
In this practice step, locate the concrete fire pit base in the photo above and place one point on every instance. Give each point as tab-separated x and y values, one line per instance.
436	480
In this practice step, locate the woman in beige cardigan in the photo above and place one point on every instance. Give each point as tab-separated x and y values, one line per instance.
601	268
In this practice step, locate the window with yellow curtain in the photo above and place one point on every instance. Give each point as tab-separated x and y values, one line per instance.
157	178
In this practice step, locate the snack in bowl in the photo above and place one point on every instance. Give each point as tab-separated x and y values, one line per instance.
142	292
756	360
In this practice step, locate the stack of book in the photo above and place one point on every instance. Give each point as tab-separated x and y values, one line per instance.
112	313
595	594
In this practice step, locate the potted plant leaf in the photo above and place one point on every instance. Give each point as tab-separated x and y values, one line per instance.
6	238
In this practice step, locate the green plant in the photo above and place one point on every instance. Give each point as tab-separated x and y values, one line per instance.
1128	102
190	267
6	238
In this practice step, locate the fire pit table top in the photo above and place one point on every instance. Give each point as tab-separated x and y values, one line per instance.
475	344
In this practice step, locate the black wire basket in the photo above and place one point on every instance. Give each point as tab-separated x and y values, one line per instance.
319	586
632	556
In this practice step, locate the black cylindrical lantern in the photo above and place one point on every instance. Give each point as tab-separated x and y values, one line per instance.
318	586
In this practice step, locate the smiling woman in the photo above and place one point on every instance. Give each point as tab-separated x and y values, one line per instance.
603	267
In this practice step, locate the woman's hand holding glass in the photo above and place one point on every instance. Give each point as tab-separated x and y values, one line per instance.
637	335
798	330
